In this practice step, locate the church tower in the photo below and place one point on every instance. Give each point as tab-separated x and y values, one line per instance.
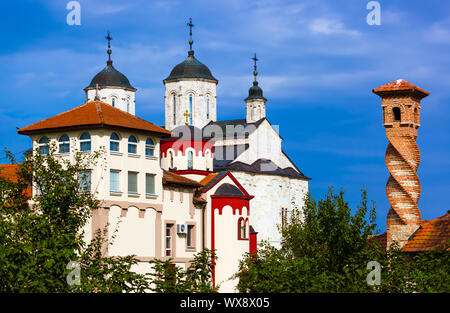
255	102
190	92
401	118
112	87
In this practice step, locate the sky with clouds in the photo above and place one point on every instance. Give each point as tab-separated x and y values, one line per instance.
319	61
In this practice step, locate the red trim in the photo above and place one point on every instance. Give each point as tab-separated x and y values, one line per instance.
195	172
253	247
234	180
218	203
200	145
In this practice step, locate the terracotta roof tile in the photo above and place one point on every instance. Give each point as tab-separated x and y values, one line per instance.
172	178
431	234
9	172
208	178
400	85
93	114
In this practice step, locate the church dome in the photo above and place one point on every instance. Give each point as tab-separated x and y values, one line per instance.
255	92
191	68
110	77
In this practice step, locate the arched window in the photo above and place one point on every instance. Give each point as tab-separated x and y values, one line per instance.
85	142
190	109
397	114
114	142
207	106
171	159
43	146
242	229
174	100
207	156
64	144
113	102
149	147
132	145
190	160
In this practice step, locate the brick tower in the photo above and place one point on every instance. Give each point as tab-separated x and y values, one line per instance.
401	118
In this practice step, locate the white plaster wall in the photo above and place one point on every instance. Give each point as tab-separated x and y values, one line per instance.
182	88
121	95
180	160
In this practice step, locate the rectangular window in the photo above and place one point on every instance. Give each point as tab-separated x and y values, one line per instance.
114	146
132	148
190	236
84	181
150	184
85	146
132	182
114	181
169	239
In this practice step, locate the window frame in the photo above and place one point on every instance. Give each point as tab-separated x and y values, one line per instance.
146	184
65	143
133	145
114	141
44	144
118	181
149	148
85	141
133	192
81	181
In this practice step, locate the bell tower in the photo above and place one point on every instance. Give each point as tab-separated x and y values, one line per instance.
400	101
190	87
255	102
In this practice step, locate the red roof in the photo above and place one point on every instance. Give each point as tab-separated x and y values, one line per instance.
93	114
400	85
9	172
432	234
173	178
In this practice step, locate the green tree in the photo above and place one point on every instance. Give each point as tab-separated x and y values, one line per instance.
327	249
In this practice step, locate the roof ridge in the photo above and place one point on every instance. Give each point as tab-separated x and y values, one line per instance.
99	112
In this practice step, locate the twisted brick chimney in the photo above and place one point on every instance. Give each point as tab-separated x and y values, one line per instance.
401	118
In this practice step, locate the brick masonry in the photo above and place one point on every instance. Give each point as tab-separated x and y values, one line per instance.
401	119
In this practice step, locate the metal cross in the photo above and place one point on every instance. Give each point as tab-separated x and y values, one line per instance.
187	115
190	32
254	66
109	38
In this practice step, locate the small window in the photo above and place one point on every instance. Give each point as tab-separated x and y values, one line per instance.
132	145
132	182
64	144
171	159
85	142
190	160
114	142
207	107
149	184
128	105
149	147
113	102
190	236
284	212
43	146
242	232
397	114
84	181
174	109
114	183
190	109
169	228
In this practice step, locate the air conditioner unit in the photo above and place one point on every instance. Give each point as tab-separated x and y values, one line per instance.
182	228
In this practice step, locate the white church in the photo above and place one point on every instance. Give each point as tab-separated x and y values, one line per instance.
199	182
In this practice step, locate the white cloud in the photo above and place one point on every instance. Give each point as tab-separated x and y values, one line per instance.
330	27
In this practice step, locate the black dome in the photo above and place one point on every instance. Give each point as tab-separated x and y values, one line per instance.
110	77
191	68
255	92
228	190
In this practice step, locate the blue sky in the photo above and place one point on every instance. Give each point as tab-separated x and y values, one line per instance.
319	61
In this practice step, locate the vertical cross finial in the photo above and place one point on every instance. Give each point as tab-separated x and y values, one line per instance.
190	33
255	72
97	97
187	115
109	38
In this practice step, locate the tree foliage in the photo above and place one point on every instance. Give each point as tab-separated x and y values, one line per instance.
41	236
326	248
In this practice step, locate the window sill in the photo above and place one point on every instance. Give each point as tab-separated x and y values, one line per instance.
151	157
115	153
134	194
85	152
191	249
115	193
133	155
151	195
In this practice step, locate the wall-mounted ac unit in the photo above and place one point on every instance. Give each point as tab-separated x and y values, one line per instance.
182	228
